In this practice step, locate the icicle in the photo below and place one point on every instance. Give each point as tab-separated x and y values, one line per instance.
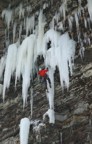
63	10
89	41
65	2
29	9
21	11
45	5
16	10
76	20
20	31
31	102
30	22
28	67
5	36
49	63
21	59
57	17
81	43
51	114
88	20
50	93
40	35
2	66
24	23
52	24
7	14
79	1
28	25
66	52
85	35
55	22
61	53
85	22
14	32
10	66
24	130
81	52
60	26
37	13
61	141
70	20
1	89
53	37
7	43
90	8
79	12
25	64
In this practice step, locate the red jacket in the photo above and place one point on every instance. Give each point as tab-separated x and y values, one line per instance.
43	72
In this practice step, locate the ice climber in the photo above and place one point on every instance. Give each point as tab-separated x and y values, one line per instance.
44	77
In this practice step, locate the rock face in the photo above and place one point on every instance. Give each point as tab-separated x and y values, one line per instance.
73	108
